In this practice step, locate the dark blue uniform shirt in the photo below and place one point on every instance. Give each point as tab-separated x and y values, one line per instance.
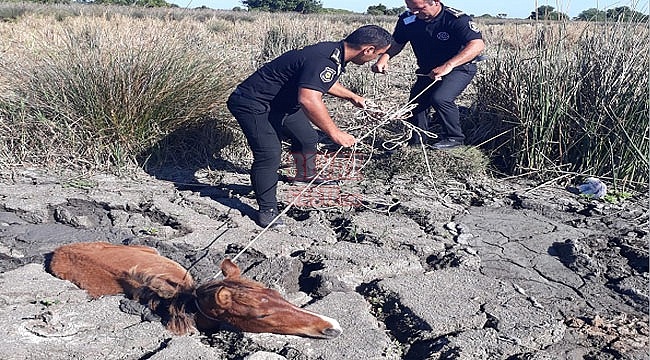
436	41
276	84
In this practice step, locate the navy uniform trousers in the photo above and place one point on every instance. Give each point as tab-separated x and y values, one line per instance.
264	130
442	97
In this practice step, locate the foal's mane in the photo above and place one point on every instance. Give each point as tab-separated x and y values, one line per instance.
177	304
174	303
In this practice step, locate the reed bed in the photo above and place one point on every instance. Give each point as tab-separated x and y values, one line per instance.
104	86
572	100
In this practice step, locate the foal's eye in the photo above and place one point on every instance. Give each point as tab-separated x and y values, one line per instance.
261	316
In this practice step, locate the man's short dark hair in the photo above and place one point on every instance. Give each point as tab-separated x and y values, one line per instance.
369	35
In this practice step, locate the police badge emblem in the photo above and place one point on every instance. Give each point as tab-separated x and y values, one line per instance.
327	75
443	36
473	27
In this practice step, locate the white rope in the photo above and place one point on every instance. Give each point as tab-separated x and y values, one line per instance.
286	209
387	118
401	114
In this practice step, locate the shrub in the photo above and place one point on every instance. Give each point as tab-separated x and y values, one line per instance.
103	92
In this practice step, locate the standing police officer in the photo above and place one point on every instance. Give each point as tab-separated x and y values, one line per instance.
285	96
446	42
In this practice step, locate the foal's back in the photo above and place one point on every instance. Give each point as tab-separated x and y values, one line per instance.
103	268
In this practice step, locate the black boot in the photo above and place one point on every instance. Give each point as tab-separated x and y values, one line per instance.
265	218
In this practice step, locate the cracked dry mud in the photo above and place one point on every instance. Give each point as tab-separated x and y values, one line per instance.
501	273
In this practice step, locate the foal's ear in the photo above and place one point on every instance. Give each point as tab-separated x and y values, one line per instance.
223	298
229	269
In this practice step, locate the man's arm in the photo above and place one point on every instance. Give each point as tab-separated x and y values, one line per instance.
471	50
315	109
342	92
382	63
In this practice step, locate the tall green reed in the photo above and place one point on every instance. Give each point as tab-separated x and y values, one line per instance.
281	39
573	102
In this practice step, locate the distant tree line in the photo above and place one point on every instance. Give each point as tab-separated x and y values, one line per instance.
621	13
311	6
301	6
545	12
381	9
146	3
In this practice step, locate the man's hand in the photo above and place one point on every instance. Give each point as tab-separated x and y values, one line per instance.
471	50
381	65
358	101
313	106
438	72
342	92
342	138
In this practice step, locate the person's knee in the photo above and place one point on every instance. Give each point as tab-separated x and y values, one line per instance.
306	143
442	101
268	158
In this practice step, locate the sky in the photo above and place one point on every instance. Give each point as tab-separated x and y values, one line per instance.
513	8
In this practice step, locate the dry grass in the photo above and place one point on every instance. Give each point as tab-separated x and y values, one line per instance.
103	91
101	86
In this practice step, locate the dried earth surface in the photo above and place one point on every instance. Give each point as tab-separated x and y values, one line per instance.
503	270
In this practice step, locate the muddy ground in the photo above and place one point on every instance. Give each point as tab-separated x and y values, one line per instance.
497	270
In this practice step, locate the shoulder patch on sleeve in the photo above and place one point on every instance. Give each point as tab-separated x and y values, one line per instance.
409	19
457	13
327	75
474	27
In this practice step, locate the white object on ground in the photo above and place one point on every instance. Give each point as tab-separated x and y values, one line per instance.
593	186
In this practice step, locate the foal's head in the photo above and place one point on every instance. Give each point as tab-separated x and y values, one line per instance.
252	307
